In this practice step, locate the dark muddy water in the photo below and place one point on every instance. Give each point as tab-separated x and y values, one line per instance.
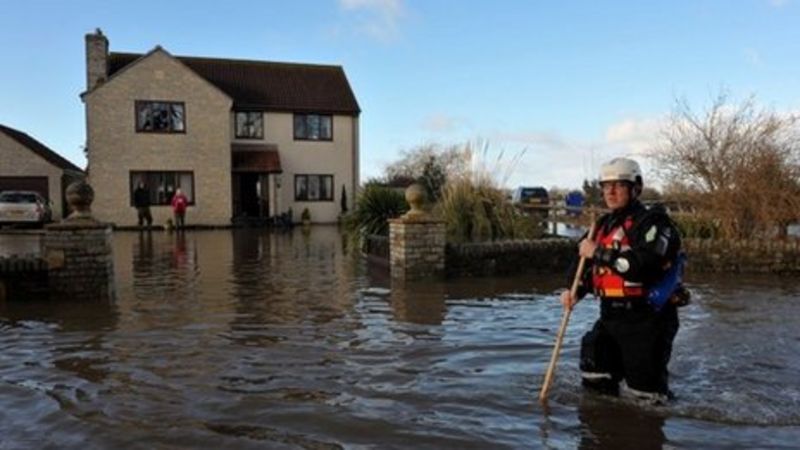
246	339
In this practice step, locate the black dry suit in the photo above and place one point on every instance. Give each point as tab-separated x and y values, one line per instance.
632	340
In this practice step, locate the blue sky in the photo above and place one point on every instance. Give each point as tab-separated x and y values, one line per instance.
570	83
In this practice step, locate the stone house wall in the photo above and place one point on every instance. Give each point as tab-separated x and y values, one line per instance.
115	148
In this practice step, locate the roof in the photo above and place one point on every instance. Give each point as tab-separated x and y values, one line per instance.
255	158
40	149
264	85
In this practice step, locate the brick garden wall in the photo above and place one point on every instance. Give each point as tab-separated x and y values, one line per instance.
81	261
508	257
555	255
743	256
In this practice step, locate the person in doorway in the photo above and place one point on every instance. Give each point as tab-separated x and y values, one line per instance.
141	201
631	252
179	203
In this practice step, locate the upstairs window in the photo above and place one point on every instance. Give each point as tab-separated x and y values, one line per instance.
160	117
313	127
249	125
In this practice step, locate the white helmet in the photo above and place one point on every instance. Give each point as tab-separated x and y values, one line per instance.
621	169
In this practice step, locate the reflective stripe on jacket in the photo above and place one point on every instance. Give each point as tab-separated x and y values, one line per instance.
607	283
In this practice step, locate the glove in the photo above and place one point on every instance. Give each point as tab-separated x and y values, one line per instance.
681	296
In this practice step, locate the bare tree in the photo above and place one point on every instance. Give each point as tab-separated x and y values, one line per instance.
740	164
452	159
430	165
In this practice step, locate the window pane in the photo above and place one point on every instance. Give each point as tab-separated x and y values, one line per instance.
152	185
313	187
300	188
177	117
249	124
300	126
160	117
171	184
185	183
313	126
258	124
327	188
145	122
325	131
239	121
136	177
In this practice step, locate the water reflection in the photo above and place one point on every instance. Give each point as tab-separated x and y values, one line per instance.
251	339
82	354
610	424
422	302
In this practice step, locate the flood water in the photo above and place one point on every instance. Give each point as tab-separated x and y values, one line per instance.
247	339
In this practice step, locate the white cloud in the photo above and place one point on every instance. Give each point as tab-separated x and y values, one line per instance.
636	137
549	158
442	123
542	158
379	19
547	139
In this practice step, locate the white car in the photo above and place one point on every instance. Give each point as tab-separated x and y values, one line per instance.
23	207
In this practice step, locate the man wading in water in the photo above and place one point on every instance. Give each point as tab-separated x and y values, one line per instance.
633	267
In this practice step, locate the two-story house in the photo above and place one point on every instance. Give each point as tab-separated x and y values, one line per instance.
239	138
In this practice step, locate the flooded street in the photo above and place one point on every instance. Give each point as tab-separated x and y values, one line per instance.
251	339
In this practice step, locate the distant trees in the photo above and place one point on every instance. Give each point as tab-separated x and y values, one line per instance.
592	193
735	162
463	187
430	165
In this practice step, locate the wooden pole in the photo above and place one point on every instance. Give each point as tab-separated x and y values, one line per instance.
551	369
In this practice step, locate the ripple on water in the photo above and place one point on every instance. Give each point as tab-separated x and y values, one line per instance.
246	339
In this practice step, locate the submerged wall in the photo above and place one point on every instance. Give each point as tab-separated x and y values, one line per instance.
556	255
508	257
738	256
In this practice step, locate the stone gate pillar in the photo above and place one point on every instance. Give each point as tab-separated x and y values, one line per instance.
417	241
79	252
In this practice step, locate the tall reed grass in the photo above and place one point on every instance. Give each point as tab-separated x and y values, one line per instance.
474	205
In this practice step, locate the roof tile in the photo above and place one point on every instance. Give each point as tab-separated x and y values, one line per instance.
264	85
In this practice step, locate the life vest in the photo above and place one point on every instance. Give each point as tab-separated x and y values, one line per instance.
607	283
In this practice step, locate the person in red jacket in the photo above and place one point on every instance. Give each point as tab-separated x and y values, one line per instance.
632	250
179	203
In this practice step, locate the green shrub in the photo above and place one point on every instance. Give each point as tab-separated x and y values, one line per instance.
374	206
476	211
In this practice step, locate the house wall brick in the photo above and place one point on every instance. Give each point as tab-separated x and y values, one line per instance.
115	148
18	161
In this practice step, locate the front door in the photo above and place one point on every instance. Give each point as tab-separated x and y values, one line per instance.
250	195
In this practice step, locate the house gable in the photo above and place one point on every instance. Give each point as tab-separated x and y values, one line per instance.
117	148
157	53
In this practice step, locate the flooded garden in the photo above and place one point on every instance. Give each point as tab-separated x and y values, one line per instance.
255	339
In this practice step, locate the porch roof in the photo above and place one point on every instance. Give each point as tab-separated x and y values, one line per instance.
255	158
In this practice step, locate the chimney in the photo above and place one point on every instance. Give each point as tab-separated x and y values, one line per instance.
96	59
